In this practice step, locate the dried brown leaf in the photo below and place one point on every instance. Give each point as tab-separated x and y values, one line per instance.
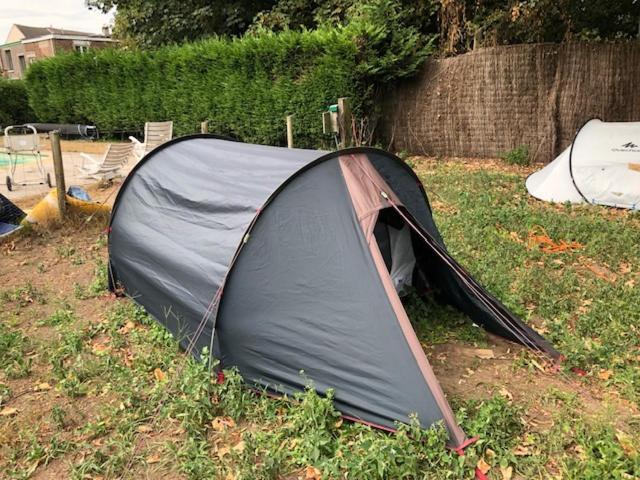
8	412
484	353
312	473
239	447
159	375
605	374
483	466
522	451
222	423
507	472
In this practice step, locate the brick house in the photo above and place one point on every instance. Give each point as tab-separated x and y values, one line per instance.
25	45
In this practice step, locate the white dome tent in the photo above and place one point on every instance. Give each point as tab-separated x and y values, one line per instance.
601	166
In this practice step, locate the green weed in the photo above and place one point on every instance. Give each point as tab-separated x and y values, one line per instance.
24	295
62	316
592	318
98	286
13	353
517	156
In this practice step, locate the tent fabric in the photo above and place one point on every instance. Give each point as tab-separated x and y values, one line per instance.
458	289
287	238
298	300
367	190
10	216
7	228
403	259
602	166
9	212
193	204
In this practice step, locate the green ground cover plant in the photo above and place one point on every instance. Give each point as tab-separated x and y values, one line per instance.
517	156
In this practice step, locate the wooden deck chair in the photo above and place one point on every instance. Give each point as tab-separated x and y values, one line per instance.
108	166
155	133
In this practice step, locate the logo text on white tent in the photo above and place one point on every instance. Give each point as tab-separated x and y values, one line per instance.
627	147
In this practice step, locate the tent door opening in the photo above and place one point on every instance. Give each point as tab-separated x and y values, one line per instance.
394	239
414	266
410	262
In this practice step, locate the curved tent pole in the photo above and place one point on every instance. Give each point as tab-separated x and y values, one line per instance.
575	184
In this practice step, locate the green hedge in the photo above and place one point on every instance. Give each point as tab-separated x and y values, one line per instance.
243	87
14	104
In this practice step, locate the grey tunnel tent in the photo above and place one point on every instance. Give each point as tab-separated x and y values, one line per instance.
296	257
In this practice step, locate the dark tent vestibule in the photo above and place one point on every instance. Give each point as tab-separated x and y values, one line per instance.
288	260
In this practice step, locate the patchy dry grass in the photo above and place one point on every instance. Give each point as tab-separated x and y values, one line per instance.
89	384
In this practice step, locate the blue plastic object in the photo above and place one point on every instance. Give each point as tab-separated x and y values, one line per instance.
79	193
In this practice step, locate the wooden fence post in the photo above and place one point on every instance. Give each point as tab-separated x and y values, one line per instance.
204	127
345	122
58	168
290	131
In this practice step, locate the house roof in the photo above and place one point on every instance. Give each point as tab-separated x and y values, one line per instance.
34	32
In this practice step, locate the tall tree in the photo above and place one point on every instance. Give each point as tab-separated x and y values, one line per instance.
160	22
465	24
294	14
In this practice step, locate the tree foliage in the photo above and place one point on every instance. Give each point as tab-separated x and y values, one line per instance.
14	104
161	22
294	14
460	24
243	87
465	24
392	34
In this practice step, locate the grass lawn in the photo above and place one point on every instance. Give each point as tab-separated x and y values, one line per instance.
91	387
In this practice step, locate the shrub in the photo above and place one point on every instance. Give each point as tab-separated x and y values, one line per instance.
517	156
244	87
14	103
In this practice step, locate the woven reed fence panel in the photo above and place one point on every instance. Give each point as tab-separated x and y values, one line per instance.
490	101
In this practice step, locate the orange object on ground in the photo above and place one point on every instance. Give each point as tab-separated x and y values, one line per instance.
47	209
538	237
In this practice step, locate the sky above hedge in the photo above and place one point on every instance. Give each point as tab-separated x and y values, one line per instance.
70	14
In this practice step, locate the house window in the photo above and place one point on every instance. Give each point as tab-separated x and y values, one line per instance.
23	64
8	61
81	46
